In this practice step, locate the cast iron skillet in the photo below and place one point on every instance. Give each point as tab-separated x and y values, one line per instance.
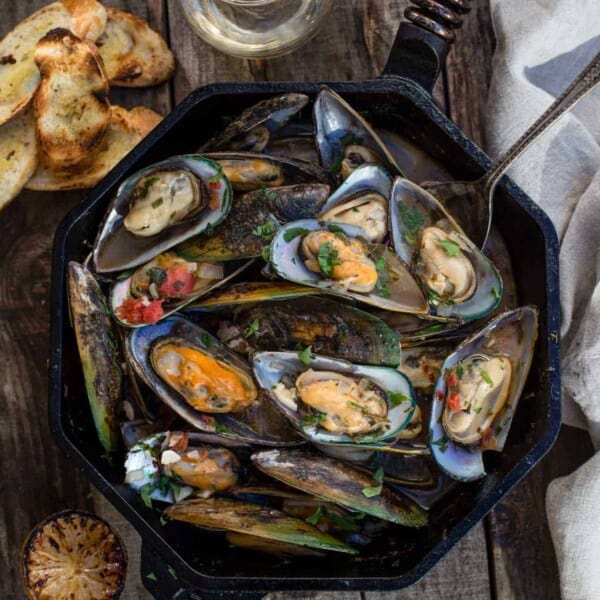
400	100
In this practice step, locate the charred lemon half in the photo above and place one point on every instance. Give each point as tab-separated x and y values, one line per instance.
73	554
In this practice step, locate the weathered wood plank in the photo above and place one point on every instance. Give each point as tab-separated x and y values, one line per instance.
465	563
26	232
468	71
524	563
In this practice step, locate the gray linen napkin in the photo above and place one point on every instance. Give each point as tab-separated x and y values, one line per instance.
541	46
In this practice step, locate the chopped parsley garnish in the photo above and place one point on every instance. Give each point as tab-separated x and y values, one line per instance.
314	518
145	493
351	139
163	521
413	220
306	356
156	275
327	258
495	293
397	398
158	202
352	404
294	232
214	178
380	264
336	167
450	248
266	231
382	289
346	523
220	428
268	194
146	185
252	328
302	474
441	443
370	492
433	297
486	378
460	371
313	419
477	410
172	572
335	228
432	329
151	577
266	253
205	339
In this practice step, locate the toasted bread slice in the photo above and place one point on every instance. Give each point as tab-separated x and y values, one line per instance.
18	155
19	76
126	129
89	18
71	106
134	55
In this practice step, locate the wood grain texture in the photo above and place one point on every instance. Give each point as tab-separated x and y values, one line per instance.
37	480
353	44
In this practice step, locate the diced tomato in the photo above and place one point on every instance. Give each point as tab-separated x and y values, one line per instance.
136	311
181	443
179	282
214	200
439	396
487	434
453	401
452	380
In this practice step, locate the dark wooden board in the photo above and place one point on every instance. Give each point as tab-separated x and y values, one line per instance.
37	480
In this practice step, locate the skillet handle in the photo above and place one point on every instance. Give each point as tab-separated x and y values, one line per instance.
422	44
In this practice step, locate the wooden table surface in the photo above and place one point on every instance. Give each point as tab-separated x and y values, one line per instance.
508	556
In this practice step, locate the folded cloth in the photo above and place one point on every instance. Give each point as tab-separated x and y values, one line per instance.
541	47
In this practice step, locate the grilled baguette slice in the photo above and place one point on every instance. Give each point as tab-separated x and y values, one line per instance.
18	155
19	75
126	129
71	106
134	54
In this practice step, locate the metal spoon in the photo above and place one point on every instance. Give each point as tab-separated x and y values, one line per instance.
470	202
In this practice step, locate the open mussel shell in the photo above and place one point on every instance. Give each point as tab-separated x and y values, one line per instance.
228	429
510	336
277	373
339	126
362	200
122	291
254	220
117	249
250	292
252	519
252	129
170	466
331	328
248	171
395	290
98	346
453	261
339	483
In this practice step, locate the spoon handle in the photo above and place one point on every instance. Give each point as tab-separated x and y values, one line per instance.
583	84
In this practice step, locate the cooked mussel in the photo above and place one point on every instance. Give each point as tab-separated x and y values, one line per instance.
252	519
252	129
164	285
341	484
333	401
248	171
335	258
478	391
345	141
255	425
329	327
460	282
362	200
207	383
254	221
159	207
171	466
